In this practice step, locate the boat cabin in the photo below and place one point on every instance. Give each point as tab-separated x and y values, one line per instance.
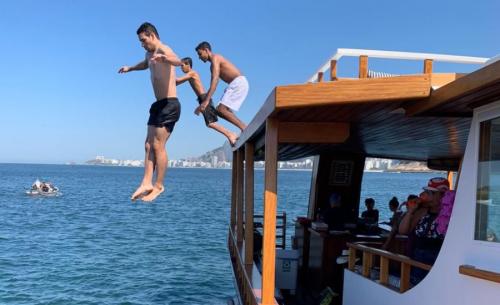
449	120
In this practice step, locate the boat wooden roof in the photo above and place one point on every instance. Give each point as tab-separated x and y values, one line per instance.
400	117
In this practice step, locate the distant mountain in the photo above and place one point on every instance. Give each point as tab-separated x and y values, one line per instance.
223	154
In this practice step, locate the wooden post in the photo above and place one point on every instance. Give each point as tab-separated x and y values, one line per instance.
450	179
367	263
233	192
239	196
363	66
384	270
405	277
352	259
283	239
270	204
333	70
427	66
320	77
249	189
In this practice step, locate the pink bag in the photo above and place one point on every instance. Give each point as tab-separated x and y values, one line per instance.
444	215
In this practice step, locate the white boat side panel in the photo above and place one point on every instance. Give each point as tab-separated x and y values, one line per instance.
444	285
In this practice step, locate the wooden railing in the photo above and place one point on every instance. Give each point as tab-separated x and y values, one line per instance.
242	277
363	55
282	226
369	253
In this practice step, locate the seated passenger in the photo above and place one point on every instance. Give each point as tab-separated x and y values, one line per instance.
370	216
396	212
420	222
333	215
397	217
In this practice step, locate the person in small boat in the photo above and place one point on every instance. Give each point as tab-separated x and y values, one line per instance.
421	224
160	59
370	216
333	216
235	93
209	114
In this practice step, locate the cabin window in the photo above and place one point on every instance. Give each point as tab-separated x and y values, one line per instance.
488	182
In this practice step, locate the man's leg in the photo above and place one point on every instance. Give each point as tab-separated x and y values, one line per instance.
161	135
149	162
227	114
231	136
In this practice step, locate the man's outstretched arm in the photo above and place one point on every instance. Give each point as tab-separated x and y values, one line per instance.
184	78
143	65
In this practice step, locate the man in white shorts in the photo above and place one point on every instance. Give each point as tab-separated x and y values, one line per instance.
235	93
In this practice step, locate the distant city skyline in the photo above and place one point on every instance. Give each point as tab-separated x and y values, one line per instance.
63	100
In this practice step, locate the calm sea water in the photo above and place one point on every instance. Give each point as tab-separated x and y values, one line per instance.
92	245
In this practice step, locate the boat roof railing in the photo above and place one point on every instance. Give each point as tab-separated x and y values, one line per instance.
396	55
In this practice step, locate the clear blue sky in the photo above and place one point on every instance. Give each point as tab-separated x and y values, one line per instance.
62	99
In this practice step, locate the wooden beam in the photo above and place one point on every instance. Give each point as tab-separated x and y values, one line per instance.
354	91
270	205
320	77
249	209
333	70
352	259
239	196
463	86
233	192
299	132
427	66
363	66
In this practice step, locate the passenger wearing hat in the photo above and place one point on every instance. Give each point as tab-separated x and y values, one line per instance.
421	225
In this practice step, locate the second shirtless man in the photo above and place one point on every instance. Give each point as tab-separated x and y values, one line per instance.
235	93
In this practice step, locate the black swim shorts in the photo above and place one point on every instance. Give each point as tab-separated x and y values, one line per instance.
165	113
210	114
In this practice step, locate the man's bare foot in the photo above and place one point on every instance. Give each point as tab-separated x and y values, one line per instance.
153	194
232	139
142	190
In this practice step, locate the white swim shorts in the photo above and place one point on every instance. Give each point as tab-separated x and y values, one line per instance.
235	93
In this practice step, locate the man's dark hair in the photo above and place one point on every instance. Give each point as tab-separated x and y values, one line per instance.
187	60
203	45
370	201
149	29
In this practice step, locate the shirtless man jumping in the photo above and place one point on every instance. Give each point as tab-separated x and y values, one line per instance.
235	93
163	114
209	114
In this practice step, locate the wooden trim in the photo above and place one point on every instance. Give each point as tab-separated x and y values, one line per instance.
441	79
363	66
270	205
320	77
427	66
462	86
257	124
333	70
351	92
479	273
352	259
299	132
233	192
249	207
239	195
